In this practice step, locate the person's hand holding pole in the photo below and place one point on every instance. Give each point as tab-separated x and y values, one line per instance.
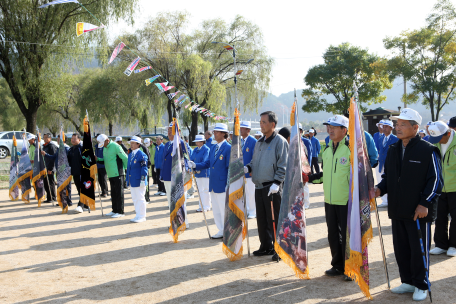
420	212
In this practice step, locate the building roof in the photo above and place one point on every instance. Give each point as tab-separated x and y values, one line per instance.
381	111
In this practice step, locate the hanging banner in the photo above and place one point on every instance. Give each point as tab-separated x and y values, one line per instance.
82	27
132	66
116	51
152	79
25	172
39	171
14	172
143	69
63	176
163	87
58	2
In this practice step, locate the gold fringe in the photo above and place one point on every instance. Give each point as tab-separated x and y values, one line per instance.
230	254
173	214
19	180
27	192
238	194
304	275
292	115
62	188
26	175
87	201
188	185
65	210
373	204
352	270
34	179
237	123
93	173
86	125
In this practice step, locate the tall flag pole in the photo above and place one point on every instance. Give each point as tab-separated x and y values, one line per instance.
235	228
361	196
14	172
63	175
88	168
39	170
291	241
25	172
180	182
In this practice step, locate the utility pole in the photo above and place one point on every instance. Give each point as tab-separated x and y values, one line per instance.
405	83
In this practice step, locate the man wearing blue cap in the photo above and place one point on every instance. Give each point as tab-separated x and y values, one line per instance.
443	138
383	144
248	146
137	172
218	162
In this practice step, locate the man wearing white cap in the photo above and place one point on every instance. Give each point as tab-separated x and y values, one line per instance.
201	154
137	173
115	161
167	163
336	177
258	135
387	139
268	167
31	140
218	163
412	179
443	138
378	134
248	147
316	147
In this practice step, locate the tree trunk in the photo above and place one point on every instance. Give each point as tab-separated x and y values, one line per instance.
110	128
170	112
205	122
194	126
30	117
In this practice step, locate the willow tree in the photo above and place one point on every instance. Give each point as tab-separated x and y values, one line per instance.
37	44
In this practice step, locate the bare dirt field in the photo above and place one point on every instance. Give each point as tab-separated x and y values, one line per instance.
49	257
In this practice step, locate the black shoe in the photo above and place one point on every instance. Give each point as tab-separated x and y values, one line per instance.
104	195
347	278
261	252
333	272
276	257
70	204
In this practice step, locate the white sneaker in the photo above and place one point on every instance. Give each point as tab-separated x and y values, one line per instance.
110	213
157	193
138	220
251	216
189	196
383	205
199	210
451	252
78	209
116	215
218	235
134	219
403	288
163	194
419	295
437	250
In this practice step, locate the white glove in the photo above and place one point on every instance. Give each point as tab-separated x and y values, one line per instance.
191	164
155	170
246	170
273	189
142	184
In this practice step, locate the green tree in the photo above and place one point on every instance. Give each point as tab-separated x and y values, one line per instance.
426	58
32	52
331	83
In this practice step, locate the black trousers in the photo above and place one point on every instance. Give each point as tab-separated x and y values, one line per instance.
146	195
264	215
77	183
154	175
161	185
51	196
117	193
103	180
447	204
407	250
336	221
314	166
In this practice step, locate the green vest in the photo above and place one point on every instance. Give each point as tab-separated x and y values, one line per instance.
336	173
152	154
449	166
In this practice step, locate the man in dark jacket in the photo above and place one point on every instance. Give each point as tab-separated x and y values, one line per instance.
49	182
74	160
412	179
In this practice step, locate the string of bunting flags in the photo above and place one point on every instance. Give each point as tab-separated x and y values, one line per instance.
163	87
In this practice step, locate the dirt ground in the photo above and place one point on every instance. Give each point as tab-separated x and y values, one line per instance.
49	257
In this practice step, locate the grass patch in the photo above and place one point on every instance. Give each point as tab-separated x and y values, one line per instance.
4	178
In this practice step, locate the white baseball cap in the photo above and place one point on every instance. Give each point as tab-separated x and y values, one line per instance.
379	124
246	124
422	131
101	139
30	136
170	125
409	114
258	133
311	131
388	123
147	142
135	139
199	138
327	122
300	126
231	132
436	131
221	127
119	138
338	121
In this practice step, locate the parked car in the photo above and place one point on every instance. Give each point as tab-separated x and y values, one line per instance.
6	142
